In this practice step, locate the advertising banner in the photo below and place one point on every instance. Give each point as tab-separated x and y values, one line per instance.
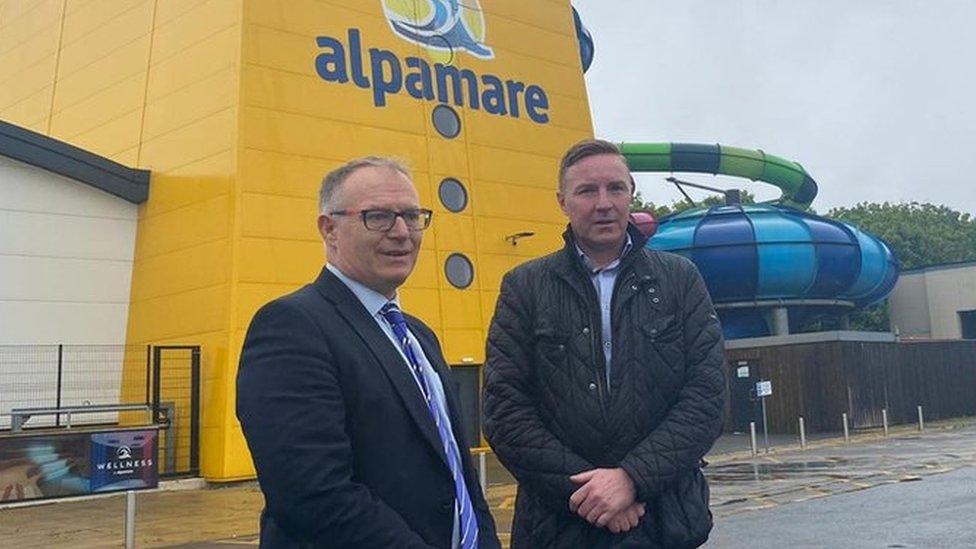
52	465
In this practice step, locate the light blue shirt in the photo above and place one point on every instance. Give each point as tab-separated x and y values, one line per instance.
373	301
603	280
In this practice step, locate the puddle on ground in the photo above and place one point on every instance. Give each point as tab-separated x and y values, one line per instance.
754	471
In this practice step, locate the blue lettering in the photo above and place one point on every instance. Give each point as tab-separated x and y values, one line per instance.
535	98
382	85
419	84
513	90
331	66
493	97
356	60
388	77
444	72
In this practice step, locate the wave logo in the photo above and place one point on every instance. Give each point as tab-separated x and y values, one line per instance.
441	26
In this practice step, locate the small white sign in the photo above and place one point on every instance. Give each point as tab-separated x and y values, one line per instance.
743	371
764	388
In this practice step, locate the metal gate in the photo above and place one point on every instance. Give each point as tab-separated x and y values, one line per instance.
176	406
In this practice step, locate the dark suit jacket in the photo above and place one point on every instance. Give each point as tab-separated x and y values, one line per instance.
344	446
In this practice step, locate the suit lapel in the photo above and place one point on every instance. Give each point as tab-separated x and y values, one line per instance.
436	359
386	355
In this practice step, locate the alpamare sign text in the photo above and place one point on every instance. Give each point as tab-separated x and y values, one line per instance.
449	26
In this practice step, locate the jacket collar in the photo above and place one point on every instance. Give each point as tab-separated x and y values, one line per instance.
569	262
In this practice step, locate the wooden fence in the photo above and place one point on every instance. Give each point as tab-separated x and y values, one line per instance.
822	380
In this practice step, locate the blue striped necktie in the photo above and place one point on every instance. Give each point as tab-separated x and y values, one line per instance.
462	502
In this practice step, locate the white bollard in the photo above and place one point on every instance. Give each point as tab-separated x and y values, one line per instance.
483	473
884	421
752	437
130	519
921	420
847	433
803	435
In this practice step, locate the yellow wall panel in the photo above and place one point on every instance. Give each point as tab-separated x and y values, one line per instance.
463	346
194	102
268	215
112	136
297	134
238	464
39	45
425	275
13	11
85	17
28	82
31	112
250	297
180	316
460	309
422	303
195	182
516	202
199	22
310	95
446	158
169	10
311	18
128	157
511	35
98	35
186	227
194	64
104	106
505	132
453	233
201	266
284	174
196	141
119	65
555	17
491	233
278	261
518	167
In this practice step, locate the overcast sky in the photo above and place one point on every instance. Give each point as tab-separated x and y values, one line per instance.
874	98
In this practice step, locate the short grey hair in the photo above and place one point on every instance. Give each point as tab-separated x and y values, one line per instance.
332	182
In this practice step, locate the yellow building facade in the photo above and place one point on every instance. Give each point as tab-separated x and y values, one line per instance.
238	107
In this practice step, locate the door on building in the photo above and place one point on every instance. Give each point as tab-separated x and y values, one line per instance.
468	377
967	321
745	404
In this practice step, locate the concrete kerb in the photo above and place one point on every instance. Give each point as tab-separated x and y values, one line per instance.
859	437
174	485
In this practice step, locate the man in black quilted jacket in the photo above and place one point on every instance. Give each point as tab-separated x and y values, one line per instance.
604	385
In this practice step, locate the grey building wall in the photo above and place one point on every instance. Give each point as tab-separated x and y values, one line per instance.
926	302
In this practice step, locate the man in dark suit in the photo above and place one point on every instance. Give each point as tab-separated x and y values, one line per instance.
347	405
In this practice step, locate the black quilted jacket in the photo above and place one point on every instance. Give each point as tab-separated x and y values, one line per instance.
550	413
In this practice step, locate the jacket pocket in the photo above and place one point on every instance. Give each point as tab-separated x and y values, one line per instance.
682	511
665	339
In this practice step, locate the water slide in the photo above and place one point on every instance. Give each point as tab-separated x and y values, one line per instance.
769	267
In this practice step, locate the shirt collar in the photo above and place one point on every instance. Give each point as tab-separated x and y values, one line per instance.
372	300
610	266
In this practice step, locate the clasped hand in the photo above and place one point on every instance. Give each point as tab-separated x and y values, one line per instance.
606	498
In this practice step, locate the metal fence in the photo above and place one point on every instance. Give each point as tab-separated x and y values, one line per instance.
59	376
163	380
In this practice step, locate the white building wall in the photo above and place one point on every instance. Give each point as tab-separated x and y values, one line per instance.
927	303
66	252
950	291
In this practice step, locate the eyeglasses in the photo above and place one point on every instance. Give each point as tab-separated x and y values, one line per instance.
384	220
